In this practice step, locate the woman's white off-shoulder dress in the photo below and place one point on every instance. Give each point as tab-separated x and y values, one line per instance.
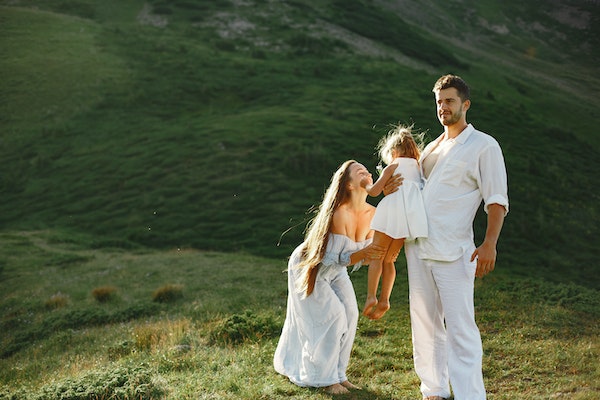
319	330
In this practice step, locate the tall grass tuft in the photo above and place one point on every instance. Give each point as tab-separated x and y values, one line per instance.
248	326
168	293
103	294
57	300
161	334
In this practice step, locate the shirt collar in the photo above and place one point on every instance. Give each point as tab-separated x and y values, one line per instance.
464	135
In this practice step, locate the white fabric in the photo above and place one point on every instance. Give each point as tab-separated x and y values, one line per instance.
447	353
318	332
469	169
402	213
446	341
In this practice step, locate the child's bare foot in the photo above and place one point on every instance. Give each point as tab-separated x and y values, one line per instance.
336	388
382	307
369	304
350	385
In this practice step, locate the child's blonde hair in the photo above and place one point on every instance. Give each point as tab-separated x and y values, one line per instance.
399	138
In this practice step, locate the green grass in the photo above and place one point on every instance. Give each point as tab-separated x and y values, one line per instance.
139	144
217	338
175	135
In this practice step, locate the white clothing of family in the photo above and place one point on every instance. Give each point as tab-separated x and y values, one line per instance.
318	332
402	213
446	340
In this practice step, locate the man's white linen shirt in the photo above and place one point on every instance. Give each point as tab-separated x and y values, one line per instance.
469	169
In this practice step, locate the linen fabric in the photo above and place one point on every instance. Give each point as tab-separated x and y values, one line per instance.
470	169
402	214
446	341
318	332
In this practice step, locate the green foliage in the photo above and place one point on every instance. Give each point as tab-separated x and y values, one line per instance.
365	19
123	383
220	129
118	383
248	326
217	129
71	319
566	295
534	330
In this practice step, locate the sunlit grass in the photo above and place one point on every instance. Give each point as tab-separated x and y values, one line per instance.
218	340
118	134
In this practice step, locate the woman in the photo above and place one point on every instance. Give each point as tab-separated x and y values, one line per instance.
322	313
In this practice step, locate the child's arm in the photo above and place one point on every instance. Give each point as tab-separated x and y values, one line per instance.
376	188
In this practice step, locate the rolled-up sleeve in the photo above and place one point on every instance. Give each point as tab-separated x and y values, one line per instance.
492	178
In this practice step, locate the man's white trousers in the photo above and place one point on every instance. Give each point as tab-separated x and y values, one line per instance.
447	346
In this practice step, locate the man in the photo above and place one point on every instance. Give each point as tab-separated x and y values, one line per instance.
462	167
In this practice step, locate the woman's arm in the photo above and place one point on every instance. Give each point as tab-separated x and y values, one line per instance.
370	252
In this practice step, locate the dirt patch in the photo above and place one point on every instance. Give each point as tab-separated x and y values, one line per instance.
570	16
146	17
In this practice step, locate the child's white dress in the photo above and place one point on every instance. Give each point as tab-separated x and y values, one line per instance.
402	214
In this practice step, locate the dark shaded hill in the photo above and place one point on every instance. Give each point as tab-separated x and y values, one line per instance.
216	125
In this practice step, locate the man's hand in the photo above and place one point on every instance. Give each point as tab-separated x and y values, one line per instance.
486	253
486	259
392	184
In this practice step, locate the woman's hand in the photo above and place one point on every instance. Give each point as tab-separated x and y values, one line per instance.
365	255
392	184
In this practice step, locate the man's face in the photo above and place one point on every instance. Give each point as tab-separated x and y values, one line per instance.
450	108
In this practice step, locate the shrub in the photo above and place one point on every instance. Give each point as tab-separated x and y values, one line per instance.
104	293
248	326
124	383
57	300
168	293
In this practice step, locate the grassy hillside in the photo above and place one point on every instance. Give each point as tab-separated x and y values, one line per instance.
80	323
216	125
153	155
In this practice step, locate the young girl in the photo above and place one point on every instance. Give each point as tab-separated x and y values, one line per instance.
399	216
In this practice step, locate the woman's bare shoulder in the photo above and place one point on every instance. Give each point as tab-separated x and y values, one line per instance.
339	220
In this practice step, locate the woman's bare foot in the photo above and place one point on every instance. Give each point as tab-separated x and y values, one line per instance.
369	304
382	307
350	385
336	388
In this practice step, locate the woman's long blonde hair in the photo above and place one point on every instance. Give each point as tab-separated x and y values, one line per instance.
317	231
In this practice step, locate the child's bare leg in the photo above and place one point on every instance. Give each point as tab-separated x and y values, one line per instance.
373	280
375	266
388	277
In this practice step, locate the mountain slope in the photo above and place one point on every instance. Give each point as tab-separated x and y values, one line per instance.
216	125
